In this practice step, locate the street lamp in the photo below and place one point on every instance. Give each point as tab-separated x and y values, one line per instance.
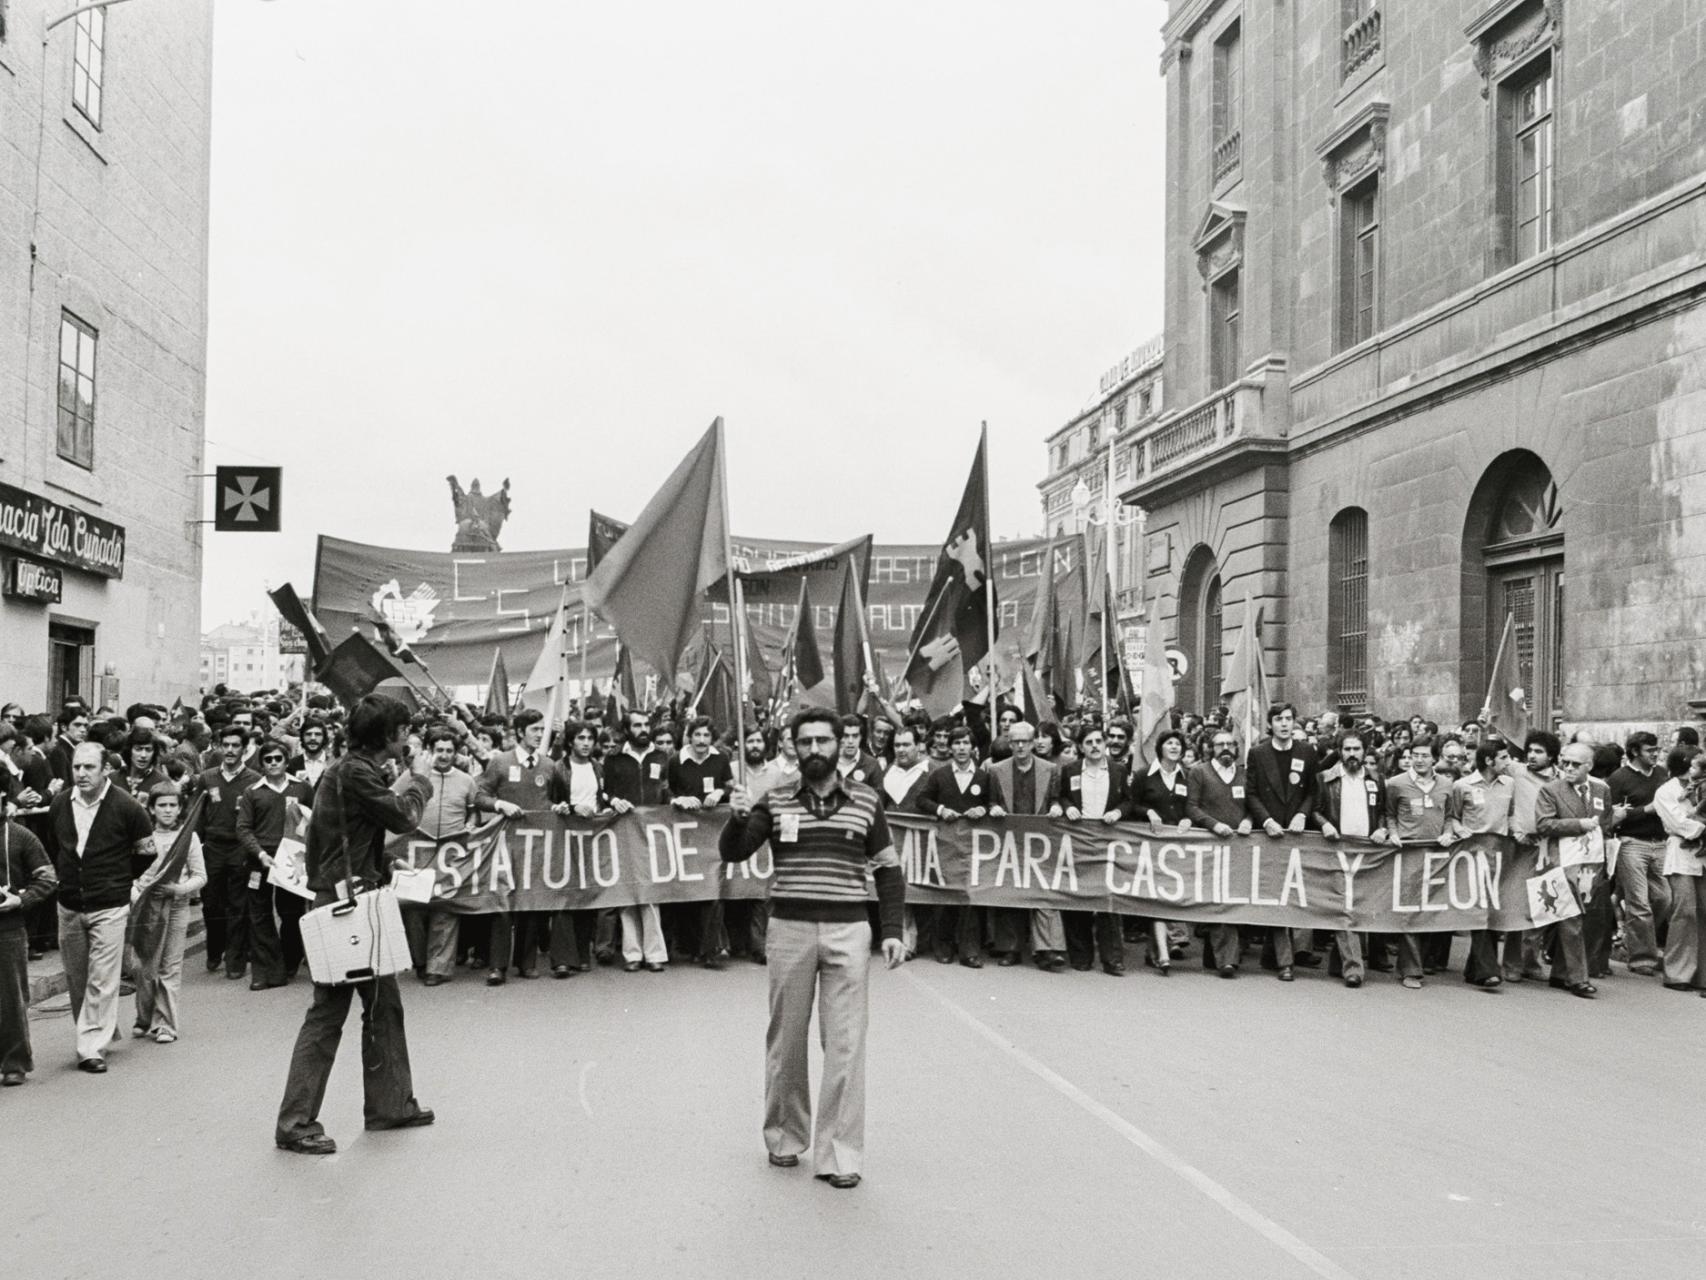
1111	518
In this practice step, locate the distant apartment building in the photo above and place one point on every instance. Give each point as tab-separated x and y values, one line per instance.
1436	352
245	656
104	142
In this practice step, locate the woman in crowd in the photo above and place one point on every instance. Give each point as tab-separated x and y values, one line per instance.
160	974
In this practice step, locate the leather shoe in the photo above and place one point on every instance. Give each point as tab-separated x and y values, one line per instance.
1114	970
1285	973
630	966
562	971
652	966
1306	960
1229	971
972	962
1411	984
315	1144
530	973
11	1079
418	1120
495	978
1009	960
434	980
784	1162
1586	990
1679	986
1491	983
713	963
1354	981
94	1066
840	1181
266	986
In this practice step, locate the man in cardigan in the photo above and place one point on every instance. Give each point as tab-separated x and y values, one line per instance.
97	830
957	790
825	834
1217	799
224	899
1025	784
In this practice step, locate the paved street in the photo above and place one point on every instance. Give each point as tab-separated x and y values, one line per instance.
1019	1122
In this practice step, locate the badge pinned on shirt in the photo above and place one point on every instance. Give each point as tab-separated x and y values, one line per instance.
858	775
1180	789
1599	804
515	773
1372	785
1237	793
539	780
254	879
789	828
657	772
213	794
1427	802
976	789
1075	783
1296	777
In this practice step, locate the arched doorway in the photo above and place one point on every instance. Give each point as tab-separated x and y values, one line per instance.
1199	629
1513	566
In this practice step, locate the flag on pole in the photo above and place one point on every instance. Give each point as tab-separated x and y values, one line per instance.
1155	691
298	615
146	927
621	699
601	535
953	630
356	668
1245	685
759	685
1036	694
541	693
648	584
1506	709
497	685
849	643
806	657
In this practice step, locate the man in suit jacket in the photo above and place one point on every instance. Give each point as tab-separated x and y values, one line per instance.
1283	769
1094	788
1351	801
958	790
1217	798
515	782
1024	784
1573	816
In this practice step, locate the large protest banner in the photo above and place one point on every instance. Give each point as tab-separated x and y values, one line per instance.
540	862
456	608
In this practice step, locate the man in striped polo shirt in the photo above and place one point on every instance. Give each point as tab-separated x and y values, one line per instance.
826	835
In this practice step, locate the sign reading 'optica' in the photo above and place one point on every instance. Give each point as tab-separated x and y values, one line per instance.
29	522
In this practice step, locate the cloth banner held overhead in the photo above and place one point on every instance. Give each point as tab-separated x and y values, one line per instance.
540	862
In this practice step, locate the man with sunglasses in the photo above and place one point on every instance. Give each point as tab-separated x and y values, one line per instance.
1573	815
267	811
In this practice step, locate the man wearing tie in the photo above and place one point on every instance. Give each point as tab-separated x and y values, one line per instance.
515	782
1282	771
1024	784
1573	815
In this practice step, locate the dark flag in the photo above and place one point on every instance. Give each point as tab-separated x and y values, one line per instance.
759	685
622	699
648	584
601	535
298	615
803	647
850	647
953	628
497	686
146	928
356	668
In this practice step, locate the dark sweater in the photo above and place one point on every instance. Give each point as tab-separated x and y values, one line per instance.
1637	790
25	868
697	778
643	781
99	878
261	815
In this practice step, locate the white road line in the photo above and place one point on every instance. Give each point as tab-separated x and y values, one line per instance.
1155	1150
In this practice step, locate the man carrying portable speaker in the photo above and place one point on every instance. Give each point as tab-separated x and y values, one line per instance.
354	809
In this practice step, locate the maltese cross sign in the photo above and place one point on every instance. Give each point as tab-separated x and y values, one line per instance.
246	499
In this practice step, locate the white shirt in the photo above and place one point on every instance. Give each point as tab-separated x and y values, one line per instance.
583	784
1353	804
83	813
898	781
1671	804
1093	782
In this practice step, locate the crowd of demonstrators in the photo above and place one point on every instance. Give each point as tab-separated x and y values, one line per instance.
94	795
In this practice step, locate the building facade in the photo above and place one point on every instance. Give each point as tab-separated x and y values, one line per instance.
1436	352
246	656
104	150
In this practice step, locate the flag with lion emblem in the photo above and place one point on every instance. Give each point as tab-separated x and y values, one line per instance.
952	634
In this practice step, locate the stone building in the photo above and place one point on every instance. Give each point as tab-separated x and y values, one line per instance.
104	144
1436	351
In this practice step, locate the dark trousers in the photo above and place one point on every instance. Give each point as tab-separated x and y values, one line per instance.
290	910
1569	940
1090	931
517	935
1222	948
1483	959
224	891
959	929
1277	950
388	1088
15	999
41	922
583	929
265	951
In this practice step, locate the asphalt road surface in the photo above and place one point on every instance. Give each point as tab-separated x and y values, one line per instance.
1020	1124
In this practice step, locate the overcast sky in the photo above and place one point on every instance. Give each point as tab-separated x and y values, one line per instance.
551	240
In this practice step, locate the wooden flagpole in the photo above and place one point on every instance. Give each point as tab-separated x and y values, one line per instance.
736	609
988	575
1493	676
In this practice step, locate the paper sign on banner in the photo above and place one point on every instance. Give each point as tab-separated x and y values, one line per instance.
413	884
1550	899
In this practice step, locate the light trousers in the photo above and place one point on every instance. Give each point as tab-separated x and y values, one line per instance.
642	935
1646	898
160	976
91	944
829	964
1682	937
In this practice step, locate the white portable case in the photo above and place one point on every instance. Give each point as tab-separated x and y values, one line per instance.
348	942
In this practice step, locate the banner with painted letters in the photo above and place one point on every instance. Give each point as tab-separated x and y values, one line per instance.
541	862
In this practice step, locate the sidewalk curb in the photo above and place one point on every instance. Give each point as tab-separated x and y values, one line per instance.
45	986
